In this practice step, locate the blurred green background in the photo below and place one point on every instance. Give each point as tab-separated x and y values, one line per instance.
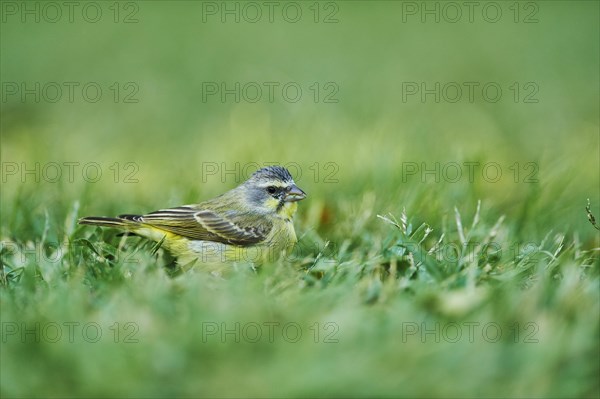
368	133
165	55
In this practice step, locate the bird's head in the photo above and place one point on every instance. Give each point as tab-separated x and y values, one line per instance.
272	190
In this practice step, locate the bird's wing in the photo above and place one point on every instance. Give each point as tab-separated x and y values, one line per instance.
206	224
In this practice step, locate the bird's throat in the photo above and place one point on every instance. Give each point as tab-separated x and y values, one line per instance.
287	209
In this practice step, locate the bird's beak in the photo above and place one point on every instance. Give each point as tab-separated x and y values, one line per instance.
294	194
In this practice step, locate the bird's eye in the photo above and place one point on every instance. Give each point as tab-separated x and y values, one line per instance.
271	190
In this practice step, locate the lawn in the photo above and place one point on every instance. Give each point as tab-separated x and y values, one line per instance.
444	246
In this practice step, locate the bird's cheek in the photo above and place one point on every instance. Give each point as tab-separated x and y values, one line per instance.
272	203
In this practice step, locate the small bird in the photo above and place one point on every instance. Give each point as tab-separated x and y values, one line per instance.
250	223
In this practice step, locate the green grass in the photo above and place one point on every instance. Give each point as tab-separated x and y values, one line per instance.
389	266
373	298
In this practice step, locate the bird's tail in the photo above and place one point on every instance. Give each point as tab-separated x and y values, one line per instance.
121	221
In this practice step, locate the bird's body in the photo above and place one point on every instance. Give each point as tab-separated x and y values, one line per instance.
250	223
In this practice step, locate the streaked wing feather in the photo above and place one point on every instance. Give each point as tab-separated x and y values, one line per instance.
198	224
232	232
